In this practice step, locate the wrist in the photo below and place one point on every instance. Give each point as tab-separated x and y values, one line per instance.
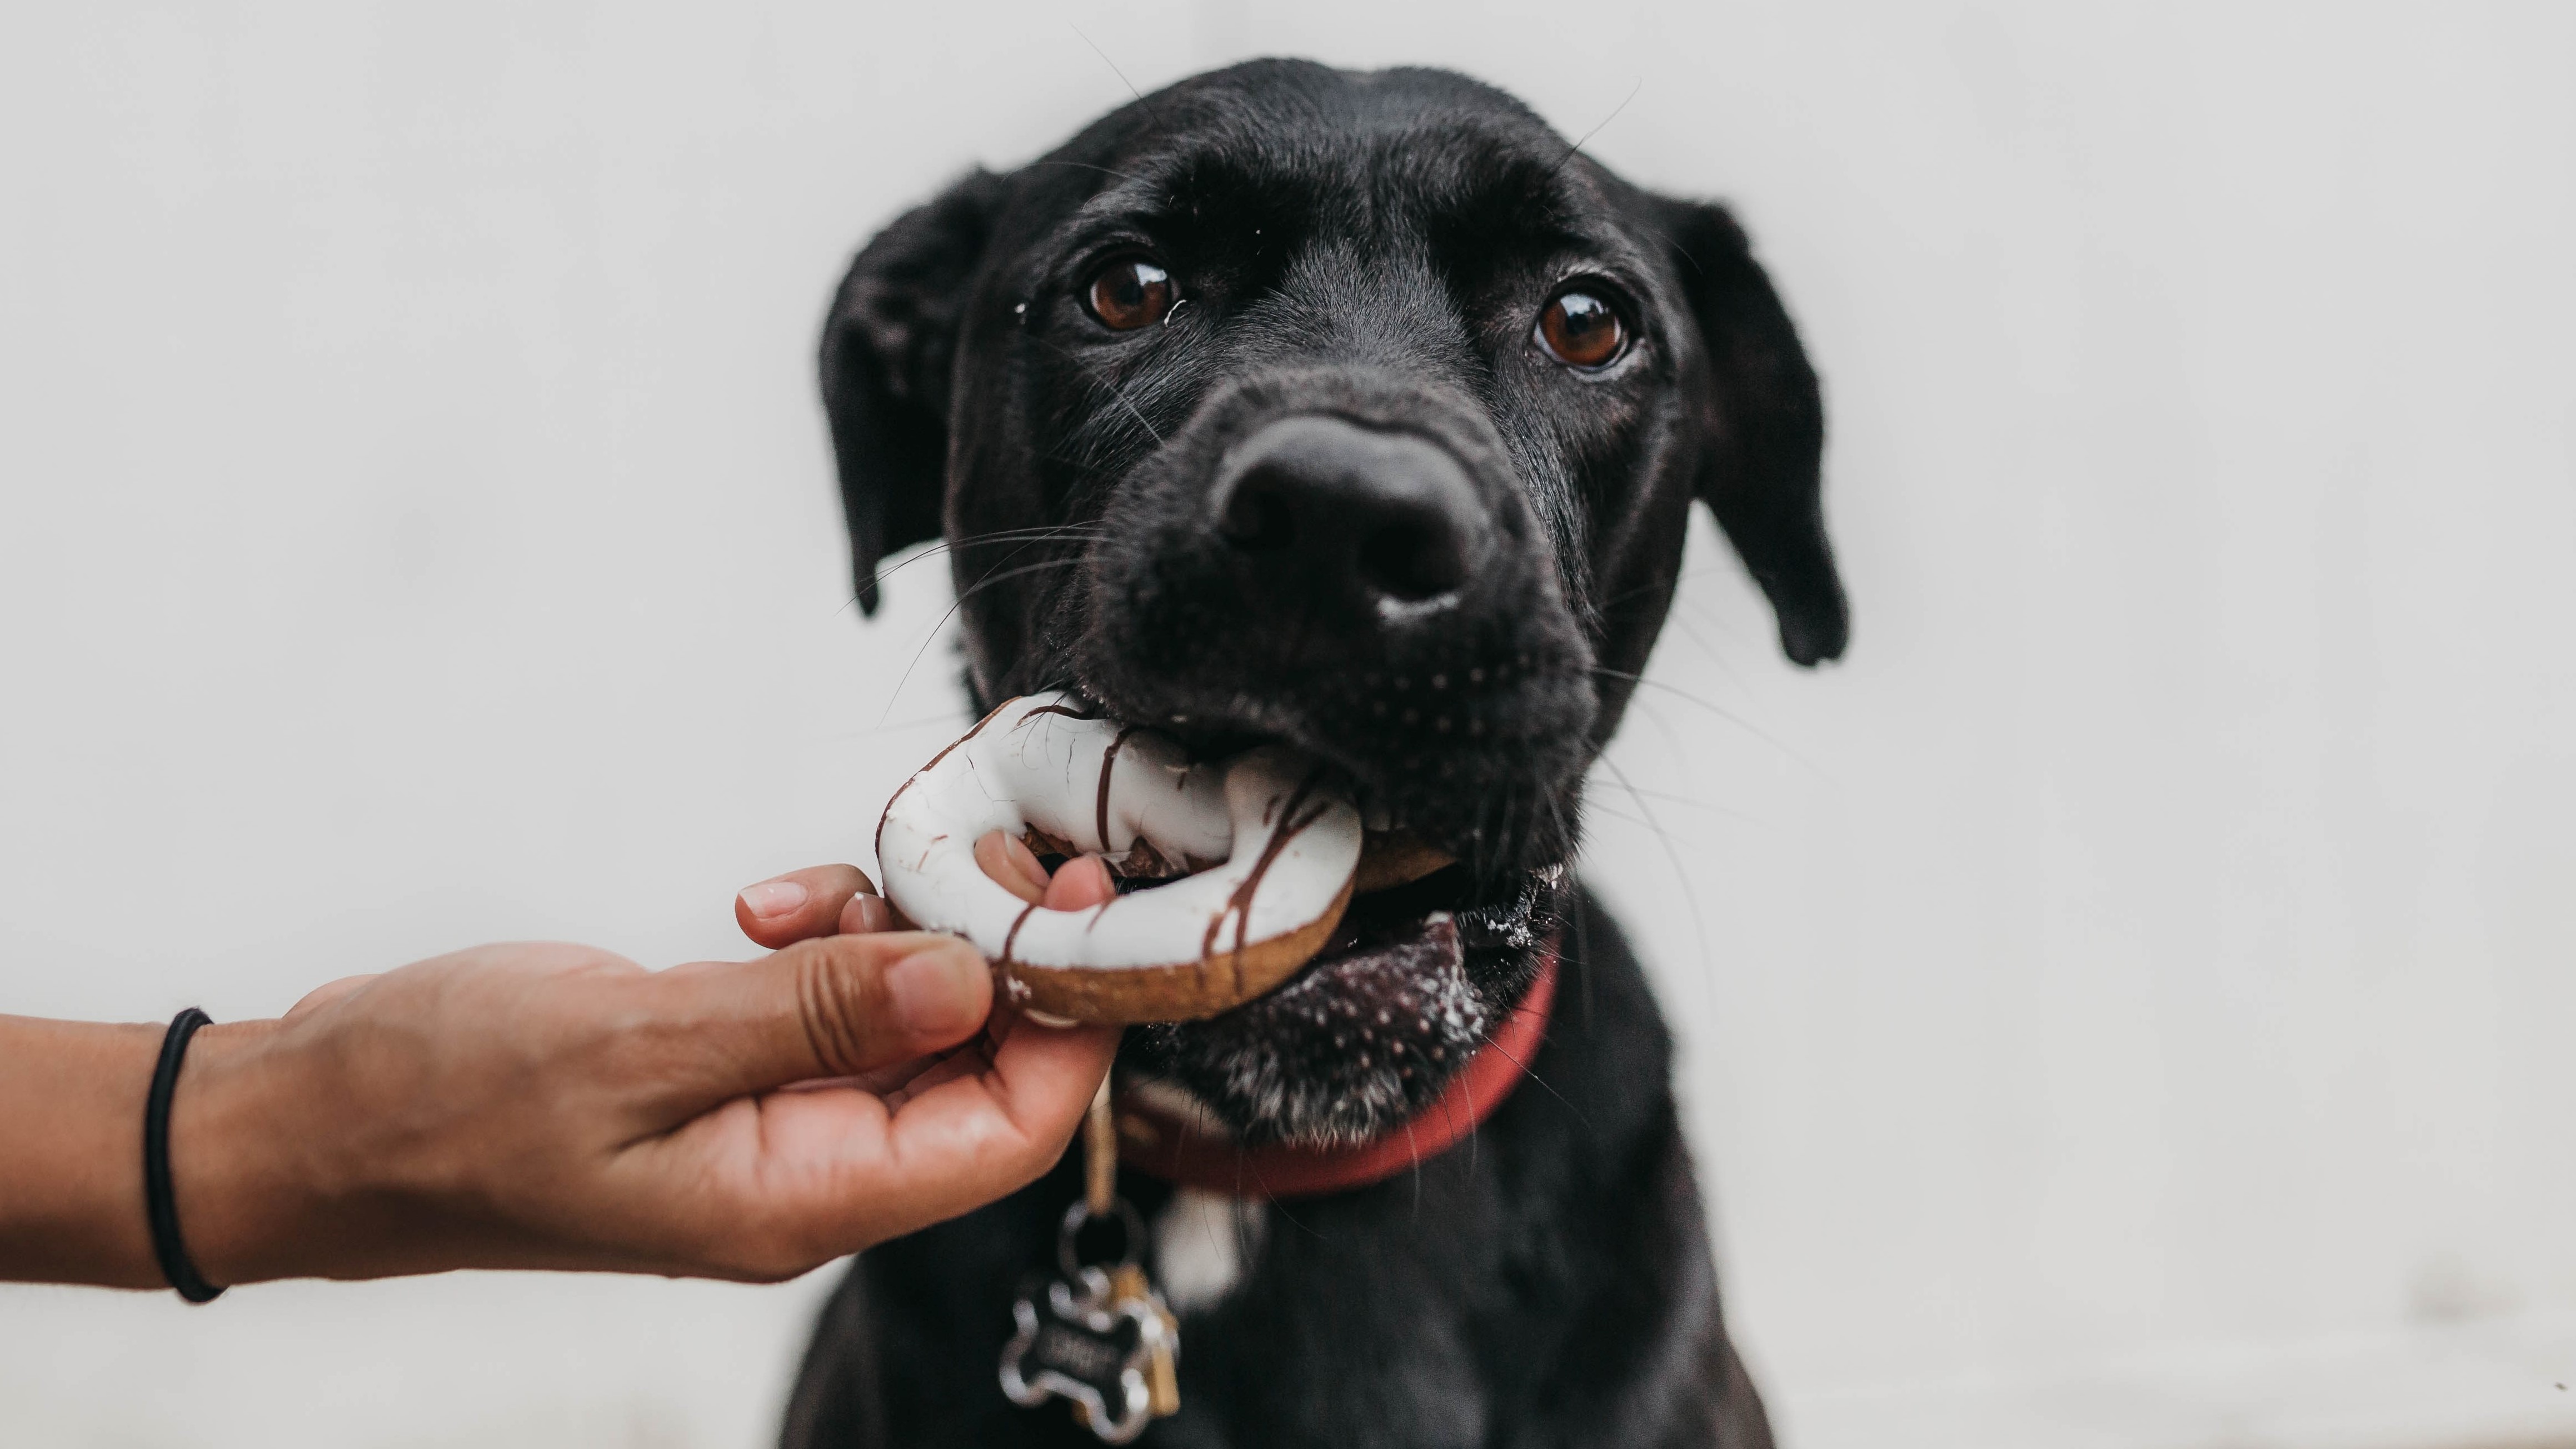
240	1183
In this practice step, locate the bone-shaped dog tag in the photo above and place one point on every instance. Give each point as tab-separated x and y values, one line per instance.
1079	1340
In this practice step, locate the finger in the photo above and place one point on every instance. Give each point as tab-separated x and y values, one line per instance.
800	904
1012	865
1081	885
326	993
834	1007
954	1145
867	914
809	1176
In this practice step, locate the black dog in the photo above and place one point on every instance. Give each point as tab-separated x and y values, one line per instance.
1358	411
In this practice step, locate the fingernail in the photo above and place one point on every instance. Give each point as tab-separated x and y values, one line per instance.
866	915
1011	866
938	992
1025	861
773	897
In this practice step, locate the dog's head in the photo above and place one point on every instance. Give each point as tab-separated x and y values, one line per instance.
1353	410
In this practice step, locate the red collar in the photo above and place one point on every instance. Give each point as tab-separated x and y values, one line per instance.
1161	1145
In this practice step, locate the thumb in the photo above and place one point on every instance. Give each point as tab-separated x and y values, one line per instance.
830	1007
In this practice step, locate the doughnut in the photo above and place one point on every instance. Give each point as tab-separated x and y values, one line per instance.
1257	857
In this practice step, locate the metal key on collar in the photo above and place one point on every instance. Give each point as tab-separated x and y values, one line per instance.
1097	1337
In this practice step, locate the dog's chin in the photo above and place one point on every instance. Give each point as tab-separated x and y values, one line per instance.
1371	1030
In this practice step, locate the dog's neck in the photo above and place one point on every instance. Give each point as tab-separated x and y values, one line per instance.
1166	1134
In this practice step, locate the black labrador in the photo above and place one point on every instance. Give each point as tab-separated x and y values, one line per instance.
1361	411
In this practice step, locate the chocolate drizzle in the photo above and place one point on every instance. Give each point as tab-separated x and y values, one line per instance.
1013	935
1108	765
1239	904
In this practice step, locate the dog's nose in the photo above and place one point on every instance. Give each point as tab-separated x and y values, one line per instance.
1337	513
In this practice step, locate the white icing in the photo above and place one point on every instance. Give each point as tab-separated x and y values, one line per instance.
1026	766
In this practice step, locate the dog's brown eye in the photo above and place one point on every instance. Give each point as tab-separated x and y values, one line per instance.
1580	329
1129	293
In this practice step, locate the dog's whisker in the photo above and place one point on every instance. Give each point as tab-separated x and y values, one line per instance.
1664	727
1033	538
1032	541
1690	896
1079	465
1687	802
1724	665
1596	130
1544	1085
1645	823
1599	808
1679	579
1746	725
947	546
948	550
1105	60
1566	844
1582	926
1088	166
1413	1151
951	612
1017	535
1006	575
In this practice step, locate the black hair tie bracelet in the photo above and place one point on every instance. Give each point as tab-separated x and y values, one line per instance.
158	1203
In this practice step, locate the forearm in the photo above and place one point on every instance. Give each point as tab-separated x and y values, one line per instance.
71	1152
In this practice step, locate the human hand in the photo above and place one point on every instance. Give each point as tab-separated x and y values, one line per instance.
827	900
556	1106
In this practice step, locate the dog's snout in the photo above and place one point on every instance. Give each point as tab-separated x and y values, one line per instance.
1344	560
1322	508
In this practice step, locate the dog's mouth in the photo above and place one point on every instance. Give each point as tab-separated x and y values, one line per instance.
1434	948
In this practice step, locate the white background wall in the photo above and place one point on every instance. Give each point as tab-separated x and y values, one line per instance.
2127	1003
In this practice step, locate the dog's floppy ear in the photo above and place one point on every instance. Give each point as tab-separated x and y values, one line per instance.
887	346
1765	426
